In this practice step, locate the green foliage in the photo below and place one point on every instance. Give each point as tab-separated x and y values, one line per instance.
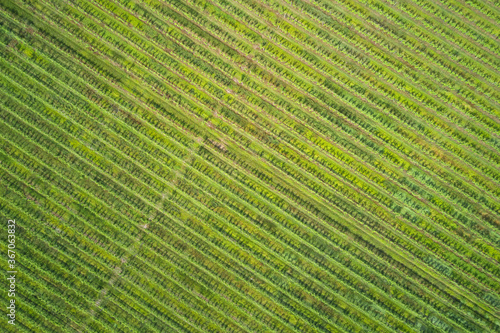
231	166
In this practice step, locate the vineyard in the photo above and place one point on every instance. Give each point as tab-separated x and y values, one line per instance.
251	165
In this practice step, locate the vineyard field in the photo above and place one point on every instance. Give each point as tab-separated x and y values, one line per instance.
250	166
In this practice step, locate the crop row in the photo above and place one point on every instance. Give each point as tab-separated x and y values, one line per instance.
151	184
365	53
254	115
89	125
82	251
353	70
421	35
278	53
134	69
